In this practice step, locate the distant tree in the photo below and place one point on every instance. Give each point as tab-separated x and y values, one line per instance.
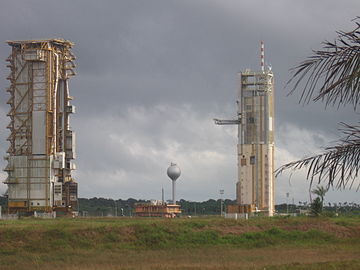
320	191
332	75
3	201
316	207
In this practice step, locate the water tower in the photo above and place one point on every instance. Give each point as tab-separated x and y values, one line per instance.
173	172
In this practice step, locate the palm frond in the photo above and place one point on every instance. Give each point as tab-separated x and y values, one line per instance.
332	74
320	191
339	165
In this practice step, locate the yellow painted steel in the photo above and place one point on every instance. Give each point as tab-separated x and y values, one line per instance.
22	65
17	204
256	141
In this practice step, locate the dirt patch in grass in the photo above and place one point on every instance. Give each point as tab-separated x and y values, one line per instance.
200	258
340	229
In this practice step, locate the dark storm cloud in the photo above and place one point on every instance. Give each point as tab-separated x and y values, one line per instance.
153	73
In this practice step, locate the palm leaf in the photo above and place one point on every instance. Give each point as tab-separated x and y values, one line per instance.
338	165
331	75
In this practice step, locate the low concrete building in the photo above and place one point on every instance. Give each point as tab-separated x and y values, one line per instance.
157	209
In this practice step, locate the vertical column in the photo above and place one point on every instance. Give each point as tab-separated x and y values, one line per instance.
39	108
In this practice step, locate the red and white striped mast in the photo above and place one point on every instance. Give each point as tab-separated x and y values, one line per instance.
262	56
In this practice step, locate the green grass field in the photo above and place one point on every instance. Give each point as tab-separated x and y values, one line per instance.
197	243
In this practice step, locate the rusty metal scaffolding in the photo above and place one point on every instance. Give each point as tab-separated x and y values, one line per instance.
42	144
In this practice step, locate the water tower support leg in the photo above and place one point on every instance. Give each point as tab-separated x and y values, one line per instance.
173	191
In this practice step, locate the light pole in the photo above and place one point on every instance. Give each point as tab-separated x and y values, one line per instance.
221	201
115	208
287	202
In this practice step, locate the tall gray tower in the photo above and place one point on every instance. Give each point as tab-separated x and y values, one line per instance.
255	185
256	140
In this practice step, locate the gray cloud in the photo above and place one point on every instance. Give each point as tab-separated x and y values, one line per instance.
152	75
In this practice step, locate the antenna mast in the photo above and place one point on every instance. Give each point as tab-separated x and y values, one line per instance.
262	56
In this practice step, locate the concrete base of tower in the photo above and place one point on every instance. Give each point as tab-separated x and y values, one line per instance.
250	209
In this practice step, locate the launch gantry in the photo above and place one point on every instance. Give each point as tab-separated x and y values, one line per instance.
255	185
42	144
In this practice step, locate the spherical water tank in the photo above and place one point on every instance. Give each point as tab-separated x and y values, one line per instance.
173	172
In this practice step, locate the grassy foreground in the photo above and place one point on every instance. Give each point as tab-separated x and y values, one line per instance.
202	243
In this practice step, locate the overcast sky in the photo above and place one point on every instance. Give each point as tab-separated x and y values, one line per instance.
152	74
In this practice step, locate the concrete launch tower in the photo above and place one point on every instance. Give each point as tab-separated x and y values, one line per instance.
42	144
255	184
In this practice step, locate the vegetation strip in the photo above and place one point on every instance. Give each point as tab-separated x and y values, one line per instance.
77	242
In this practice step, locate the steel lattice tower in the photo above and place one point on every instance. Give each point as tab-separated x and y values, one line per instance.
42	144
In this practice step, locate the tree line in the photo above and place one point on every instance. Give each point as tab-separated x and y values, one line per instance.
119	207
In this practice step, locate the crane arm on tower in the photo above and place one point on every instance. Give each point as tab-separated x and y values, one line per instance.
227	122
